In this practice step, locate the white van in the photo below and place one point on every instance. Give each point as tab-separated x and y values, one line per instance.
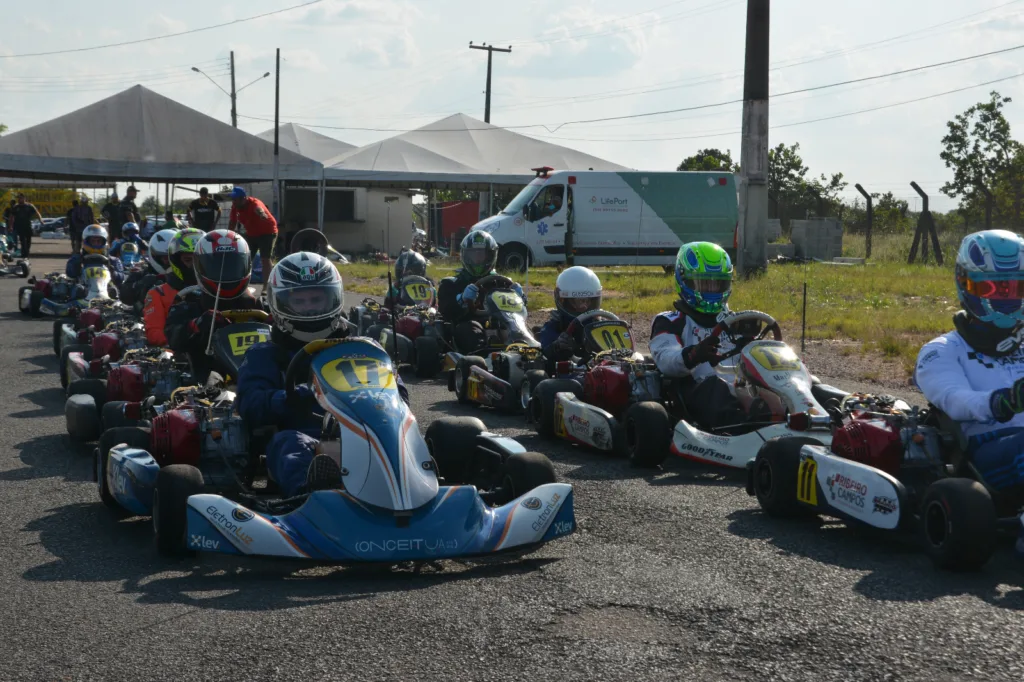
613	218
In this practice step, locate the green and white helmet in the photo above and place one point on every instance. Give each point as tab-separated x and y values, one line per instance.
704	276
479	253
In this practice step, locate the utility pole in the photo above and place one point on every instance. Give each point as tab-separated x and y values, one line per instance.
490	54
234	110
277	148
752	248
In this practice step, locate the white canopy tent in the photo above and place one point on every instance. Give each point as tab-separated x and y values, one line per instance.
306	142
139	135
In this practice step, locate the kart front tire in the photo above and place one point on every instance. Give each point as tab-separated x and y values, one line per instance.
174	485
524	471
24	269
648	434
97	388
776	468
35	303
542	404
530	383
113	415
21	292
82	418
58	332
428	356
452	443
462	370
958	524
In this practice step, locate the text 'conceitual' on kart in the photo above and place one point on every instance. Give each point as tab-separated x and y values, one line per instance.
457	492
494	375
620	402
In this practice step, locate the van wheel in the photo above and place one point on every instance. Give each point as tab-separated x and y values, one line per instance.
513	257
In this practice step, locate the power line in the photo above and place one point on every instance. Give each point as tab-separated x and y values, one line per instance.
100	87
119	75
168	35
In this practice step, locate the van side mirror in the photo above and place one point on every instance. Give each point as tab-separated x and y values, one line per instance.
526	212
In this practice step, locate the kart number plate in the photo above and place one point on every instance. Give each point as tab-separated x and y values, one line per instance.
776	359
611	336
806	482
419	292
559	420
358	373
94	272
242	341
507	301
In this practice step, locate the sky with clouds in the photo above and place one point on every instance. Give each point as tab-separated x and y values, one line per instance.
357	69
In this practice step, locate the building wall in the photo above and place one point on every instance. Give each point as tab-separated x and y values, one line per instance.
355	237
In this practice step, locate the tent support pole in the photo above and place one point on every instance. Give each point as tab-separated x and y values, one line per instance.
321	198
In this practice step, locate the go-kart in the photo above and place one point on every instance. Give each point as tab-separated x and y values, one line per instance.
493	375
422	336
97	349
130	255
58	295
387	503
245	328
81	325
10	263
893	468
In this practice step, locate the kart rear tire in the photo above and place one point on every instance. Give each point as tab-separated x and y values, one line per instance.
97	388
462	370
113	415
82	418
21	292
502	367
136	438
58	332
85	350
35	303
530	383
542	404
373	332
524	471
776	468
428	356
958	524
452	443
648	434
23	268
174	485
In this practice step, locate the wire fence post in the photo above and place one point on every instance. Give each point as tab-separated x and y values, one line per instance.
871	221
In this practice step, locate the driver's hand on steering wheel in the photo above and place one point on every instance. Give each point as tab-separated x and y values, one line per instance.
745	328
564	342
279	401
702	352
202	323
469	294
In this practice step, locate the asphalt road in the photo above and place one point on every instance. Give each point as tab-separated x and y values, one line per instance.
674	575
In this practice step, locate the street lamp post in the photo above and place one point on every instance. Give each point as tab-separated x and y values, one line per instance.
234	93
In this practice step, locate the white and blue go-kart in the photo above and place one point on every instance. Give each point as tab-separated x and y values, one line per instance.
459	492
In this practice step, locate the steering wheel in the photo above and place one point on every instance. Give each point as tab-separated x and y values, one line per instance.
581	320
234	316
729	326
487	284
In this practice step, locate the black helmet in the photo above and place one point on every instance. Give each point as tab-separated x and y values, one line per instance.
309	239
479	253
410	263
223	262
306	296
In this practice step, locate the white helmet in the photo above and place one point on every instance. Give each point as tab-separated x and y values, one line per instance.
158	245
577	290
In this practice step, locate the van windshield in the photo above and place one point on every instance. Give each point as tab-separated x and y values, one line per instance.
524	197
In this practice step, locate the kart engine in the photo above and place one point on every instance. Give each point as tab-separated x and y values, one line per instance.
106	344
607	387
175	437
90	318
43	285
409	326
204	436
127	383
875	442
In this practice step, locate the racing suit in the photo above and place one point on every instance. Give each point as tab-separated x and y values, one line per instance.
705	395
159	300
188	325
261	400
469	333
137	282
555	350
73	269
959	381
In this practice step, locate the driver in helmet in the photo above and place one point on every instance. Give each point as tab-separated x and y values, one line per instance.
223	265
94	243
975	373
129	234
577	291
408	264
149	272
681	340
306	297
458	295
180	275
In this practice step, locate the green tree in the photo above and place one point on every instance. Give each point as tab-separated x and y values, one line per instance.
980	150
3	128
710	159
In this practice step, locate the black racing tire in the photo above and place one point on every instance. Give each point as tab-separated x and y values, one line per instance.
462	370
958	524
23	268
58	332
452	444
21	292
82	418
524	471
35	302
542	404
502	367
373	332
85	350
97	388
113	415
530	383
513	257
428	356
648	434
174	485
776	468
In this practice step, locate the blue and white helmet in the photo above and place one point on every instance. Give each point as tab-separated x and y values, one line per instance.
990	277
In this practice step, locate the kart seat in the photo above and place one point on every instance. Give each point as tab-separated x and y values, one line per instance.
824	393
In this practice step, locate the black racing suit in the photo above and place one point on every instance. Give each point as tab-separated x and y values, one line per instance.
469	333
137	284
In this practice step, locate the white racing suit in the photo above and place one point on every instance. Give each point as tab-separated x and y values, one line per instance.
703	392
960	381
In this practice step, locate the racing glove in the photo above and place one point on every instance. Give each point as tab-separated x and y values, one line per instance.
469	294
702	352
564	342
279	401
1006	403
201	324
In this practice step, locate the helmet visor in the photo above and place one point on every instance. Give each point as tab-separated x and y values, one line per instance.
577	305
308	303
230	266
1000	290
475	257
709	286
95	242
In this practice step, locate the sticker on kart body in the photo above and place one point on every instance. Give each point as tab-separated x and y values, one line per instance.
419	292
507	301
358	373
858	491
611	335
243	341
779	358
559	417
806	482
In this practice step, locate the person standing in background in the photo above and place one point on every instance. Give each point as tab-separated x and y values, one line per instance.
79	218
23	213
111	213
259	225
127	211
204	212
